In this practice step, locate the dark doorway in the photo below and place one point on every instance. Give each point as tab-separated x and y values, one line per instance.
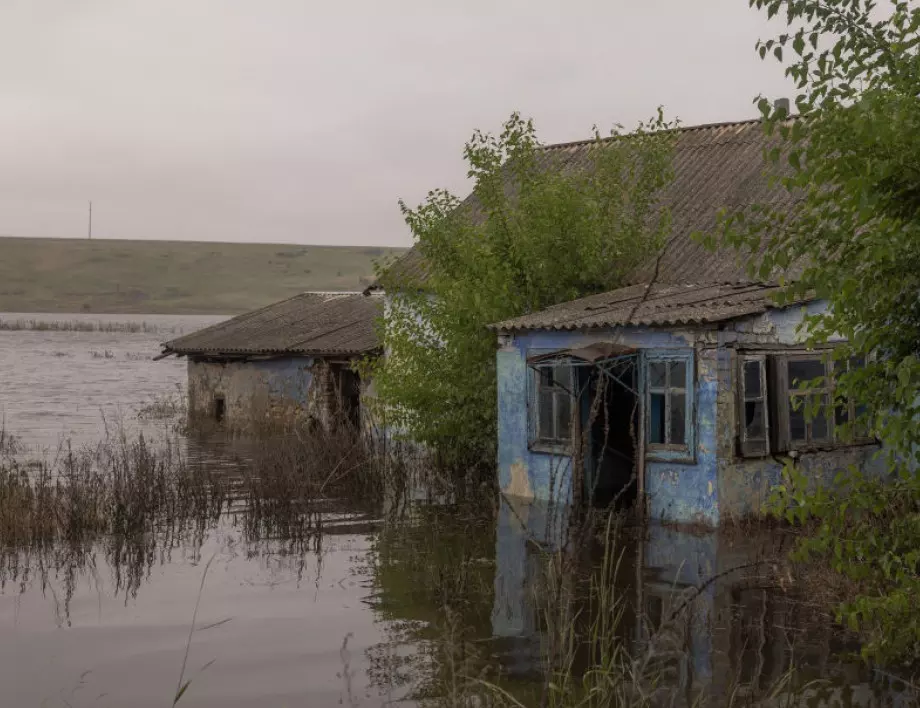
348	395
220	408
612	459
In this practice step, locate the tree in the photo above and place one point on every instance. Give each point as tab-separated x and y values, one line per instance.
852	158
535	232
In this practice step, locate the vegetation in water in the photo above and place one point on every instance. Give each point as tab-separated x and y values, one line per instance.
436	580
141	327
169	406
535	232
852	159
127	485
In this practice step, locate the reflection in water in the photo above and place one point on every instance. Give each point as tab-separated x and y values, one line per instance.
366	611
706	616
341	604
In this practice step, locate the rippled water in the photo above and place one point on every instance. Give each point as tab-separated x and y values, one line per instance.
351	616
110	629
66	384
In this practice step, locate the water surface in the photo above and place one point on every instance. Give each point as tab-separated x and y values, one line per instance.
365	613
59	385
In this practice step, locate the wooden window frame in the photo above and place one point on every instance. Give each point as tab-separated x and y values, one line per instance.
538	385
667	451
753	447
783	390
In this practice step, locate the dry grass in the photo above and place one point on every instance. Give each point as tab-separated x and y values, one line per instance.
81	275
128	485
84	326
170	406
120	487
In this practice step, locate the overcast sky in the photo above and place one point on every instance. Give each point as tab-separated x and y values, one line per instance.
302	122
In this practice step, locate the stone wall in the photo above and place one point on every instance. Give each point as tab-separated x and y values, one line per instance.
250	390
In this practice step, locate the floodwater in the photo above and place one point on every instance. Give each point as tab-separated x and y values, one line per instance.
367	612
59	385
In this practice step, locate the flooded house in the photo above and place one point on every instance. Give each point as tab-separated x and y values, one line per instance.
679	390
297	355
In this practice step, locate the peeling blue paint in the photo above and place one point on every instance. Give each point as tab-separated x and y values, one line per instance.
688	493
715	484
678	491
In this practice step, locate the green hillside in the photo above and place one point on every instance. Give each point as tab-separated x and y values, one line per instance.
70	275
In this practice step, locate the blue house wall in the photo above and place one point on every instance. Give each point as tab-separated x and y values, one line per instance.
714	484
676	490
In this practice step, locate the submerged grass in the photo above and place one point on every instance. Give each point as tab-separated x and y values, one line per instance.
141	327
434	569
128	485
123	486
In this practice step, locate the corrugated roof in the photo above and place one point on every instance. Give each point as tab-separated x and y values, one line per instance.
309	323
715	166
658	305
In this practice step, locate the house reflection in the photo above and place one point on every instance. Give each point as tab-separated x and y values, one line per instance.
717	614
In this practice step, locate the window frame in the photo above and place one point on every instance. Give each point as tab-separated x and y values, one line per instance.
670	452
826	389
537	385
780	393
753	447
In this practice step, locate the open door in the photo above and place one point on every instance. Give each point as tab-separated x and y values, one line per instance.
606	386
611	461
347	391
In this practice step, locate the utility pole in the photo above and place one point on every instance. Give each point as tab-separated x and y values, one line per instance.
90	220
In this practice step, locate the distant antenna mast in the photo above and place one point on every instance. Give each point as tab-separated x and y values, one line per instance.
90	220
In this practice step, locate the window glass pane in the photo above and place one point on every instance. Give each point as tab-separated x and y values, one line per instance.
678	413
656	374
841	414
796	419
656	418
804	370
820	430
678	372
752	379
838	367
562	376
753	420
545	429
862	420
563	416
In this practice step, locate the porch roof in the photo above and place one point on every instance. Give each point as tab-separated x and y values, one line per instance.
651	305
592	353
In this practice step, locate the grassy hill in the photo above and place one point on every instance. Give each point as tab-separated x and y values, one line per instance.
70	275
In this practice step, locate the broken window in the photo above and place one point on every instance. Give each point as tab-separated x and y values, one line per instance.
669	402
553	404
788	401
754	414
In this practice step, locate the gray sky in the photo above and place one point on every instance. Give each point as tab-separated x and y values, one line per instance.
303	122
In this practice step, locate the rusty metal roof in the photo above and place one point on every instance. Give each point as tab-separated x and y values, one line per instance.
306	324
658	305
715	166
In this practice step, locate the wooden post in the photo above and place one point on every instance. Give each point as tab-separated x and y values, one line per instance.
640	451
